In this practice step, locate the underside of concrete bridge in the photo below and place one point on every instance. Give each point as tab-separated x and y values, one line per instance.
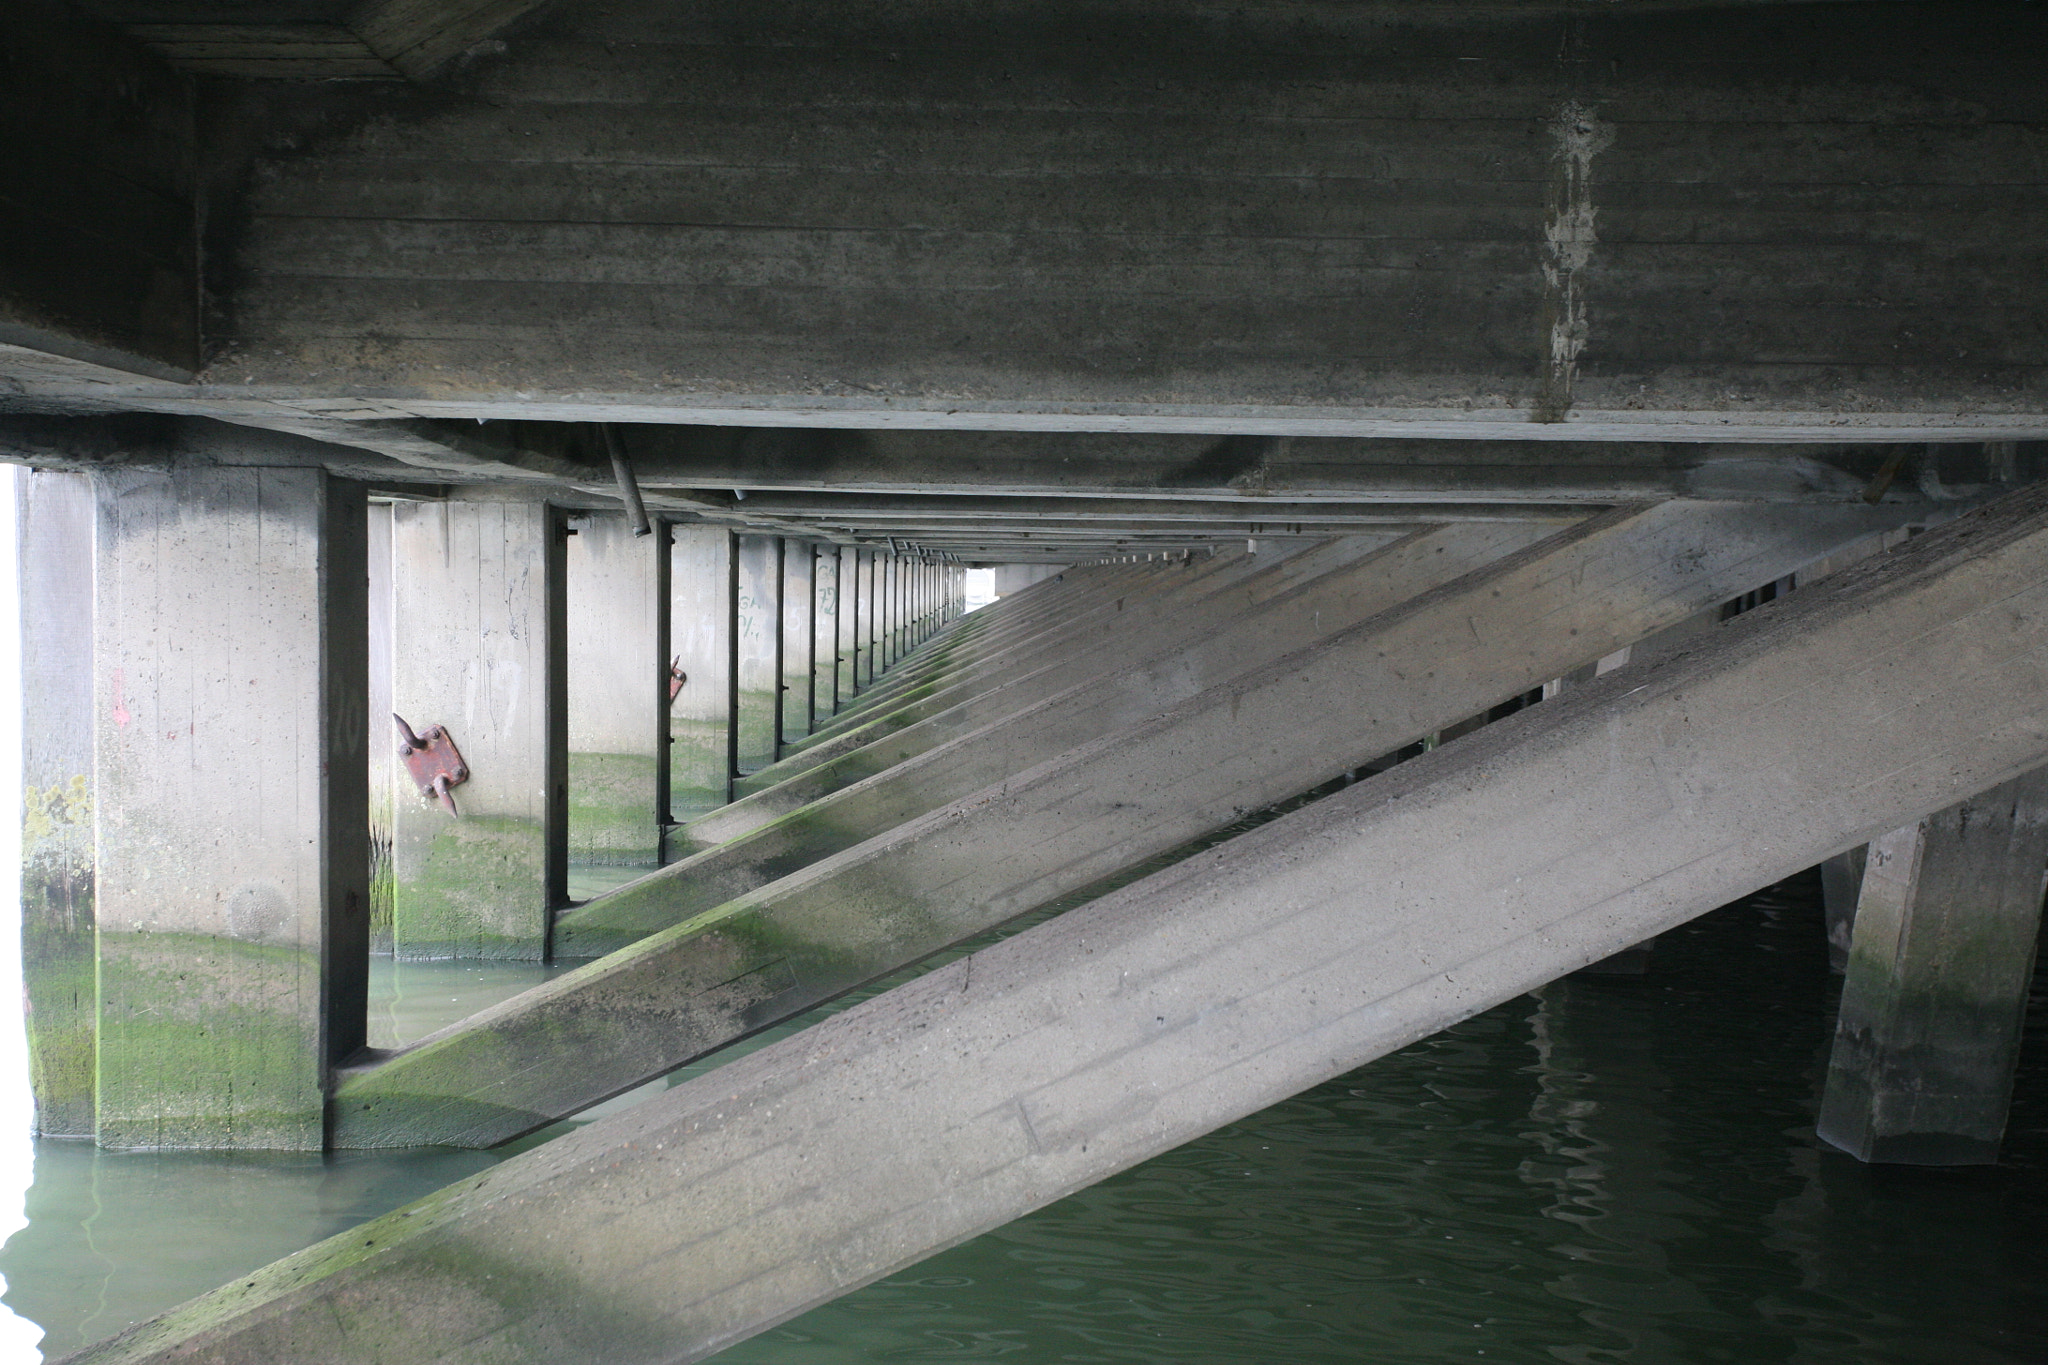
1565	465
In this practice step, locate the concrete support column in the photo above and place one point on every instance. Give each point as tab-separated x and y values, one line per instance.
1939	966
799	632
385	768
618	653
54	547
864	620
479	638
759	637
845	663
232	843
824	634
1841	884
888	614
700	624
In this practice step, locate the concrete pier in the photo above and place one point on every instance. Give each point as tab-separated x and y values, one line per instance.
799	637
617	654
479	643
54	516
1200	994
701	594
1319	383
757	632
825	647
1059	822
1936	993
230	776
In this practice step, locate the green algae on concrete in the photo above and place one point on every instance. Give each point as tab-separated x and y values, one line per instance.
612	801
208	1041
57	954
464	894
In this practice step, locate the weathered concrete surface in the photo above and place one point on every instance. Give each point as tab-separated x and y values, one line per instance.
1073	819
99	250
700	641
1068	628
616	659
231	841
970	747
1841	886
1120	668
799	637
1716	223
480	638
757	626
825	648
1940	963
54	549
1200	995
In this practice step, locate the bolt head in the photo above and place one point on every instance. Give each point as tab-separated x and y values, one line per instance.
405	751
461	773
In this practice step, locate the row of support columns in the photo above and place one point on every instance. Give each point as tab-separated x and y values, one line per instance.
219	827
208	754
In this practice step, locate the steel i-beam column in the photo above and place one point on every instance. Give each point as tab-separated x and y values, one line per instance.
617	622
479	643
231	782
1943	952
54	548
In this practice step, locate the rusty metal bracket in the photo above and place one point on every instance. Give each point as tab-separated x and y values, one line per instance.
433	761
676	678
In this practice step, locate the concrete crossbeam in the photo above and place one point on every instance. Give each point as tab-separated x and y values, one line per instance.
1939	966
1087	814
230	792
1200	995
479	641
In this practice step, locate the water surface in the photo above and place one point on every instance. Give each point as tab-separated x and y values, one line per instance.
1606	1171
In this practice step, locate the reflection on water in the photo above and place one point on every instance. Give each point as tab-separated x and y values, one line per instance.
1611	1170
409	1000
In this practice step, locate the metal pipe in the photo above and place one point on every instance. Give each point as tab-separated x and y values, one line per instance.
629	487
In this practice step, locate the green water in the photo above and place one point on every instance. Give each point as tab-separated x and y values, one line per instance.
1607	1171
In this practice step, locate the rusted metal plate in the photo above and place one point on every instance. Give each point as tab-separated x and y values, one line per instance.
433	760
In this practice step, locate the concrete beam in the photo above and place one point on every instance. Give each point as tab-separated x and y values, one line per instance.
231	839
610	225
1929	1026
480	640
1202	994
1076	818
99	261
